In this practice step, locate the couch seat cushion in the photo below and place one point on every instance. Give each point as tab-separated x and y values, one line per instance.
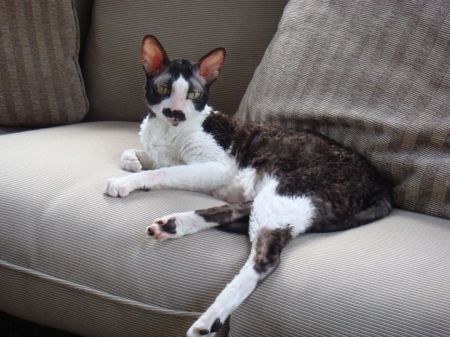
388	278
78	260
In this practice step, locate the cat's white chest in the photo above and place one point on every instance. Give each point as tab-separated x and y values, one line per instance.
190	144
161	143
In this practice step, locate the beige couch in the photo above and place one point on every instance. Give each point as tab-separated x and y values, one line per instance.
75	259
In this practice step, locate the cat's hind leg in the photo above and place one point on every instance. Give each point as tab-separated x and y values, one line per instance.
179	224
274	220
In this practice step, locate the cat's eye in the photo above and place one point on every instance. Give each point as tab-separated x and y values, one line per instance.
193	94
162	90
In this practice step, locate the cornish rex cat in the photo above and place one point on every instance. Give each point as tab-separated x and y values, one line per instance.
279	183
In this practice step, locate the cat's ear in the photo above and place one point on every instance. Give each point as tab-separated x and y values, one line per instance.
154	57
210	65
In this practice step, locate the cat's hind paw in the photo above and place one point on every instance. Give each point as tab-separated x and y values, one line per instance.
203	328
163	229
175	225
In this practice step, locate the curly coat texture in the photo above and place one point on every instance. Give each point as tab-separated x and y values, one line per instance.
346	190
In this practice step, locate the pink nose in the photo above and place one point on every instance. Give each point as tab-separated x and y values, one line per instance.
178	104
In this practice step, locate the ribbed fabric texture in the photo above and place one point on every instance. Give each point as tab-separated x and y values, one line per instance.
40	80
113	70
389	278
373	75
76	259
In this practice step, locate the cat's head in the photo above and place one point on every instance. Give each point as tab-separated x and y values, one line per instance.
177	90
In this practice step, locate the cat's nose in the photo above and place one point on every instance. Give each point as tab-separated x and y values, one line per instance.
178	104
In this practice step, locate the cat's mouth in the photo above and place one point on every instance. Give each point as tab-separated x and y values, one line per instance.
173	122
174	116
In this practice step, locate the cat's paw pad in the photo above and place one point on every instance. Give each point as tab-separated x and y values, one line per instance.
201	328
163	229
130	162
117	187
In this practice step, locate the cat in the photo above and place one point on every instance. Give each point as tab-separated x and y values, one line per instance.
279	183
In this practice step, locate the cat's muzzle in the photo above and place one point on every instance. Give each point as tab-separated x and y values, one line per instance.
174	116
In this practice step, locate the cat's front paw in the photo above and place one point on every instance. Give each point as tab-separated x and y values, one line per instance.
130	162
118	187
205	326
163	228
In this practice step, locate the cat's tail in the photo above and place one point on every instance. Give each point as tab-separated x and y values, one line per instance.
380	206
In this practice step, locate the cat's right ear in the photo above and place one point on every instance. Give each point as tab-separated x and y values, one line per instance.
154	57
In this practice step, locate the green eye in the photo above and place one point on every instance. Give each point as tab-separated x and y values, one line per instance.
162	90
193	94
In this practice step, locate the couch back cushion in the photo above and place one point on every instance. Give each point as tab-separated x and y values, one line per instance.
373	75
187	29
40	79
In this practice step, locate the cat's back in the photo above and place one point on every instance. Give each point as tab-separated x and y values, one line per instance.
273	149
269	144
266	145
342	184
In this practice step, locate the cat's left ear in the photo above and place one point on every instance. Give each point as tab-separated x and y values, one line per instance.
210	65
154	57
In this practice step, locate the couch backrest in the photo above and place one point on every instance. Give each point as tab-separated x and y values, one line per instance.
187	29
372	75
83	10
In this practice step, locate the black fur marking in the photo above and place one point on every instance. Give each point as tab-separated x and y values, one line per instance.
268	248
170	227
216	325
203	332
220	127
167	112
345	189
226	214
177	115
239	227
232	218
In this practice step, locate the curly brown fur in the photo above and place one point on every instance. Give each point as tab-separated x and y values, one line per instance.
344	187
231	217
269	244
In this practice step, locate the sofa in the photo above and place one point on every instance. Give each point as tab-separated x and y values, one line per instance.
372	75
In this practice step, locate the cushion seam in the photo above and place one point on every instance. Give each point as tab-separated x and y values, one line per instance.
100	294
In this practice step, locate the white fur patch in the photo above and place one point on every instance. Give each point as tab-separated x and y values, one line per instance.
178	99
272	210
